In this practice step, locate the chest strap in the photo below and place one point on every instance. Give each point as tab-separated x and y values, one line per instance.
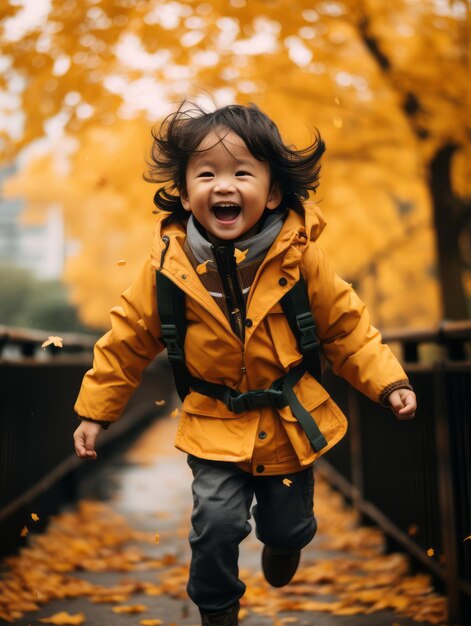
171	307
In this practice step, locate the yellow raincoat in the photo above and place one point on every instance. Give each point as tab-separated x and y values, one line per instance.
207	428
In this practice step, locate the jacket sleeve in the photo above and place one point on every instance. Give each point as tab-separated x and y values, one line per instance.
121	355
352	346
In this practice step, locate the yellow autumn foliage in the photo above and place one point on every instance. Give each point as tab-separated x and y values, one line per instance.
109	72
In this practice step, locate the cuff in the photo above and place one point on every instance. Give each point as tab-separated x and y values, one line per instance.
401	384
102	423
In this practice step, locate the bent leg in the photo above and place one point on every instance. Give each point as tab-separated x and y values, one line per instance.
284	515
222	495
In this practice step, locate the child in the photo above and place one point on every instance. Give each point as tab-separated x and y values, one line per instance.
233	238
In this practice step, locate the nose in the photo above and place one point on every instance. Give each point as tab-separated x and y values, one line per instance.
224	185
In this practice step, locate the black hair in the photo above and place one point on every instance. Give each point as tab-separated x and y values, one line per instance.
295	171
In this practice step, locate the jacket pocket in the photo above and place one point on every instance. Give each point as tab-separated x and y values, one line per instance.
317	401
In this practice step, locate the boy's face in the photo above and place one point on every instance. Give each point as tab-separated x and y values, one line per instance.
227	188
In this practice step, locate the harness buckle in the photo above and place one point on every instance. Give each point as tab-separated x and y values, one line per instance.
172	341
256	398
307	330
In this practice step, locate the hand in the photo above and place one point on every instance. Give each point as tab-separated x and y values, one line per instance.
85	438
403	403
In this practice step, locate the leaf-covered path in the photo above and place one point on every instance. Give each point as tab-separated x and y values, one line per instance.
121	558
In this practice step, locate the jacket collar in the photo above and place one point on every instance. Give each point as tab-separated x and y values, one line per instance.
284	255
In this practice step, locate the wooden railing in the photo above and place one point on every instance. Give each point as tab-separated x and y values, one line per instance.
38	391
413	478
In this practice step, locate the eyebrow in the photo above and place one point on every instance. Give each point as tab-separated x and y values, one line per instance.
207	162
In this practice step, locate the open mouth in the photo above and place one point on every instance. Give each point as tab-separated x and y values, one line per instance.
226	212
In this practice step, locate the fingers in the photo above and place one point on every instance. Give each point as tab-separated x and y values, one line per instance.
84	440
403	403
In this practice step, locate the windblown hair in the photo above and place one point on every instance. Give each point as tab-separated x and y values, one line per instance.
178	138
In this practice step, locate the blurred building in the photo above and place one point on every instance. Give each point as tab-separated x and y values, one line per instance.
39	248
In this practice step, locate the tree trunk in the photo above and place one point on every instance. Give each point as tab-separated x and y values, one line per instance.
446	211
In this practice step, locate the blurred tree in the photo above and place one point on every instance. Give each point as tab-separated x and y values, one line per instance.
434	97
98	71
27	302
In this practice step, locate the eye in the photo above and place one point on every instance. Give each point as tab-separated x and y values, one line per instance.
205	174
242	173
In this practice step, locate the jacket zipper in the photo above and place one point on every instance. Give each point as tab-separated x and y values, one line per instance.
225	261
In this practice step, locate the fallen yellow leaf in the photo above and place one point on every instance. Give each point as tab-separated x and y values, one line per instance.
175	413
57	341
24	532
202	267
150	622
35	517
240	255
130	608
64	618
468	538
430	552
287	482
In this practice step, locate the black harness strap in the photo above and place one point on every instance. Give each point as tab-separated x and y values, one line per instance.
171	307
297	309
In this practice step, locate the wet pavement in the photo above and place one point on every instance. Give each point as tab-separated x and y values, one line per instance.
150	486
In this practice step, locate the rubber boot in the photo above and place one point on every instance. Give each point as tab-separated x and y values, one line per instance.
278	566
227	617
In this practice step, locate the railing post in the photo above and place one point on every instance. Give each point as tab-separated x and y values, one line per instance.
446	491
356	453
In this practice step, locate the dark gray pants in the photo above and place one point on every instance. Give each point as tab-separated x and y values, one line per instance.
222	496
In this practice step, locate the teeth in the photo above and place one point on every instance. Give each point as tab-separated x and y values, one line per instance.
225	204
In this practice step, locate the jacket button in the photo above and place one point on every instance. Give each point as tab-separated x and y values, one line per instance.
183	276
283	281
262	435
248	323
260	468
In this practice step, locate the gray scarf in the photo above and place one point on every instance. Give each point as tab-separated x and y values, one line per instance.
257	245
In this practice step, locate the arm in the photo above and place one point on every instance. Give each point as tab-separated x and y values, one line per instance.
122	354
350	343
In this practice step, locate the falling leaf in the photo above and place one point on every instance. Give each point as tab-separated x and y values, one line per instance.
468	538
175	413
430	552
64	618
35	517
202	267
150	622
287	482
24	532
130	608
413	530
57	341
121	262
240	255
157	538
160	402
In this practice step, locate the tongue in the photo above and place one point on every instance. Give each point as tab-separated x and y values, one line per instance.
226	213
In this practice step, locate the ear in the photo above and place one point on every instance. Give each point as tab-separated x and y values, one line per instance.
274	197
185	199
